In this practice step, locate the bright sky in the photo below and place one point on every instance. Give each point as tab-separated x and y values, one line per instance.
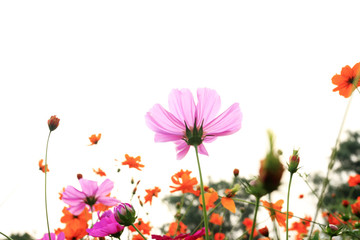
100	66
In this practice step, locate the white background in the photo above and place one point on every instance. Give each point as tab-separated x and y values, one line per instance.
101	65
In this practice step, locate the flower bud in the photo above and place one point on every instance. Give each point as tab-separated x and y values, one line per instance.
125	214
294	162
332	230
79	176
236	172
53	123
264	231
345	203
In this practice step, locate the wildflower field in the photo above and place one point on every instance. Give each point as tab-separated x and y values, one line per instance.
195	121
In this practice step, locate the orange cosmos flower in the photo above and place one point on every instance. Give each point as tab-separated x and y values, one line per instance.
133	162
301	227
248	225
355	208
185	182
275	211
151	193
219	236
210	199
227	201
137	237
176	228
79	221
333	218
354	180
42	166
94	139
143	227
73	232
99	172
216	219
61	193
346	80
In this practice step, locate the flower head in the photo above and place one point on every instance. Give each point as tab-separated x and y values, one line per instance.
354	180
42	166
184	181
347	81
133	162
275	211
76	220
94	139
151	193
125	214
188	124
106	226
216	219
248	226
143	227
90	195
99	172
53	123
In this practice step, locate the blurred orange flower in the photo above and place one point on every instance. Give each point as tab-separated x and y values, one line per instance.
275	211
99	207
248	225
174	230
99	172
42	166
346	80
227	201
79	221
300	227
210	199
73	232
94	139
143	227
185	182
355	208
61	193
216	219
151	193
333	218
354	180
133	162
219	236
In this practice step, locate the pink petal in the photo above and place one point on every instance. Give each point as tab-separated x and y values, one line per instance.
227	123
182	105
161	121
72	196
182	149
77	209
61	236
108	201
159	137
105	188
88	187
202	150
208	105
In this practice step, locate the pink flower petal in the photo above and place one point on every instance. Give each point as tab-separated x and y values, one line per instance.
182	149
227	123
161	121
71	196
202	150
88	187
208	105
77	209
104	189
182	105
159	137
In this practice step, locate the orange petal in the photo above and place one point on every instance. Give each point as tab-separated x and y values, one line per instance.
229	204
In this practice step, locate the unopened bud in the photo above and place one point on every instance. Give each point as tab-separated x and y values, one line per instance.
264	231
294	162
53	123
125	214
236	172
345	203
79	176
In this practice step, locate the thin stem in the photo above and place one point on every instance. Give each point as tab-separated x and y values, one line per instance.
255	214
138	231
330	166
46	210
287	208
206	223
6	236
273	220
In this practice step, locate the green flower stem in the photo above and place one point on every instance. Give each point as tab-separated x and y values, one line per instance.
206	222
331	164
287	208
255	214
274	220
46	210
6	236
138	231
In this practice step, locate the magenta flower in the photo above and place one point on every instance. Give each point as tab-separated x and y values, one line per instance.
60	236
189	124
195	236
91	193
106	226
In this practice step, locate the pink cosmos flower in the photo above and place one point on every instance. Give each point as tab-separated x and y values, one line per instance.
106	226
91	193
60	236
189	124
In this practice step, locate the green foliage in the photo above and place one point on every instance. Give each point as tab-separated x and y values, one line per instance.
24	236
